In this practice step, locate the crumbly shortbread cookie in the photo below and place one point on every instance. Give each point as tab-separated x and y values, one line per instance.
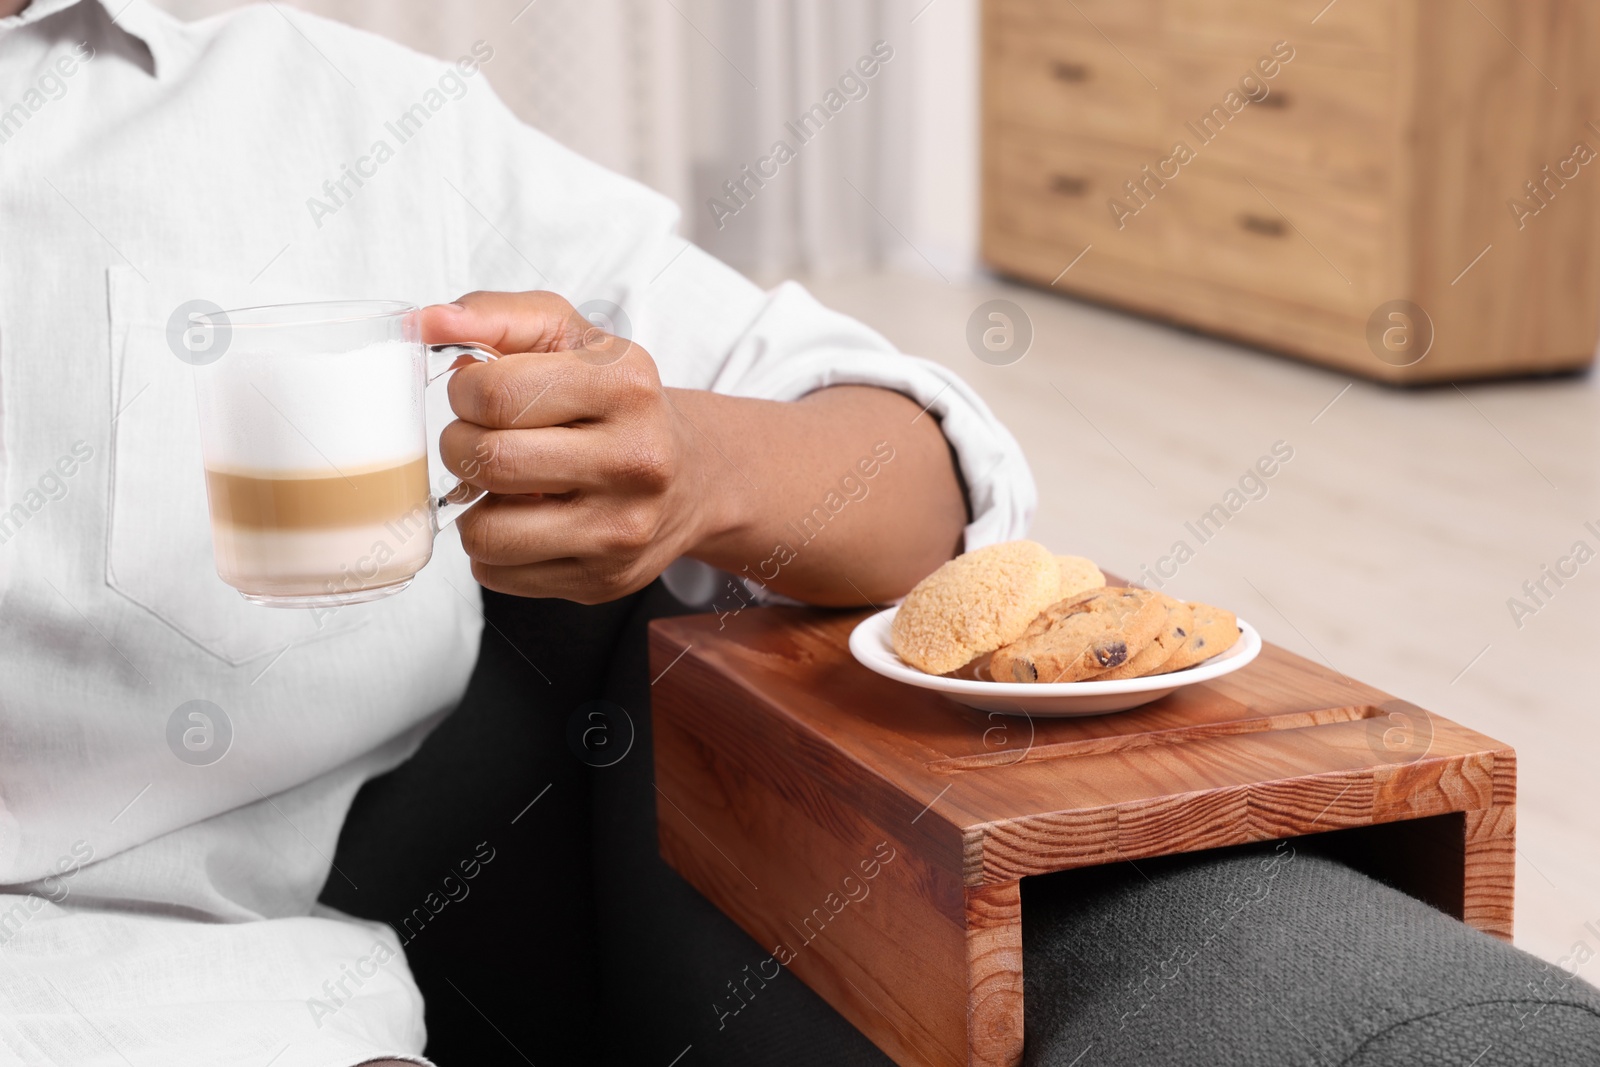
1082	637
1175	631
1215	631
1078	575
974	604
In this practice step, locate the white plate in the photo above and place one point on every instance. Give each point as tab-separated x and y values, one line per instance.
869	643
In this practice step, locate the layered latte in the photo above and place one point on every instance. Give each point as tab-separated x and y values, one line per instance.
317	472
287	533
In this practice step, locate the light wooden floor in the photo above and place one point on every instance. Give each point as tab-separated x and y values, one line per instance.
1387	547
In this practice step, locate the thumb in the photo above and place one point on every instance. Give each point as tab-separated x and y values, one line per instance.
508	322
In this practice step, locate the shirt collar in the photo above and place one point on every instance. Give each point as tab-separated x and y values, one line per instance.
133	17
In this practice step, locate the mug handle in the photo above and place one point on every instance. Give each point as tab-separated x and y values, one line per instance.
442	359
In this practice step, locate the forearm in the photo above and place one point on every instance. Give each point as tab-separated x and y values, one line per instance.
846	496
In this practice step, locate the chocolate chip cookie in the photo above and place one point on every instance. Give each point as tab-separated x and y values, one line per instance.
1214	632
1176	628
1082	637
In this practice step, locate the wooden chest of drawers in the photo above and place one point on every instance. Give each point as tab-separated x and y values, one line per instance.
1408	190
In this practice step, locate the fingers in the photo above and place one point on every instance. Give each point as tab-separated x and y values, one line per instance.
498	461
553	389
509	322
565	579
519	531
527	390
556	460
558	368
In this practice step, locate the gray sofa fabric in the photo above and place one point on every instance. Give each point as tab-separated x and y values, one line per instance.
1277	956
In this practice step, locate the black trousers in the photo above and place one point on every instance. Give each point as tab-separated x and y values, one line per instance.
516	856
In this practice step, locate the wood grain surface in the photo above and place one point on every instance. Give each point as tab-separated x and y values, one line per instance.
872	835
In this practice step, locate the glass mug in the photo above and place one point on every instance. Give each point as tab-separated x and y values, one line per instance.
313	432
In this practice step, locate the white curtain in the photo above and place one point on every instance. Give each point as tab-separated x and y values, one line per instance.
757	72
684	94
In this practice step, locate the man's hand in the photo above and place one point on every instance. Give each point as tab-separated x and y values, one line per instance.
593	481
598	478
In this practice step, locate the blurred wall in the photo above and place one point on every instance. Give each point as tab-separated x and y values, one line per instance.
683	94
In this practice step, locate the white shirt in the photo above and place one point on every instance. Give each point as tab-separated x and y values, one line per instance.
145	163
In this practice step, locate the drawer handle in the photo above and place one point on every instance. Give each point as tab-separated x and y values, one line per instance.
1063	71
1068	185
1279	99
1263	225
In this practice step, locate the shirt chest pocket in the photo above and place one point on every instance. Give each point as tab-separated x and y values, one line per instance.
159	554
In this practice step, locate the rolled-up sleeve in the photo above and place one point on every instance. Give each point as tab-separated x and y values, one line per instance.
544	217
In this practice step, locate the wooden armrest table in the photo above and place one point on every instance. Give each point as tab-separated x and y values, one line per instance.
872	836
